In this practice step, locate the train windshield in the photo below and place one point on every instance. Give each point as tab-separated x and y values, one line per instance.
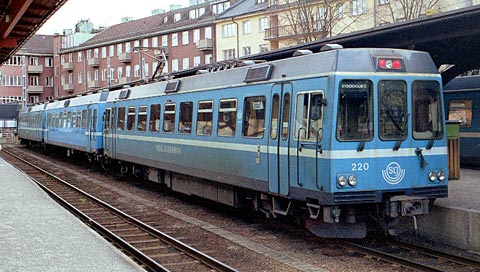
427	110
355	111
392	100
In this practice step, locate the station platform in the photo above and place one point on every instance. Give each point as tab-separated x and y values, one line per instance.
455	220
36	234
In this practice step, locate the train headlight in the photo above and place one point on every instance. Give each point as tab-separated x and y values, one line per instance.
352	180
441	176
432	176
342	181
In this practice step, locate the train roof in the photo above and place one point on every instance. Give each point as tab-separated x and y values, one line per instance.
355	60
463	83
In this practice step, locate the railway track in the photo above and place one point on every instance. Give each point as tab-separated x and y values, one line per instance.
151	248
414	257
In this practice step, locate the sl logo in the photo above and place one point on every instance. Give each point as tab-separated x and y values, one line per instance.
393	174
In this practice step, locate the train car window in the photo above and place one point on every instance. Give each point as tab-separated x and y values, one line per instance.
204	118
131	118
227	117
69	119
58	122
169	118
84	119
74	119
94	120
121	119
355	110
461	110
286	116
106	119
79	119
155	118
142	118
309	116
392	107
254	117
274	122
427	111
186	115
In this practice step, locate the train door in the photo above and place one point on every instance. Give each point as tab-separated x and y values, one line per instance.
279	140
91	128
107	134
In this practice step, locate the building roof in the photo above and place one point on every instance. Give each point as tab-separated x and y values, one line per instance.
243	8
150	26
38	44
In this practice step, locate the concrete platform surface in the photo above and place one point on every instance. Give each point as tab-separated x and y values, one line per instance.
456	220
36	234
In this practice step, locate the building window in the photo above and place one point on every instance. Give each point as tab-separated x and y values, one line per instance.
145	43
220	7
185	63
177	17
136	43
246	26
185	37
79	56
196	61
358	7
33	61
196	36
155	42
228	54
174	65
229	30
79	78
136	70
196	13
111	51
383	2
174	39
119	49
49	81
104	52
263	24
165	40
119	72
33	81
247	50
208	58
263	48
208	33
128	71
48	62
128	47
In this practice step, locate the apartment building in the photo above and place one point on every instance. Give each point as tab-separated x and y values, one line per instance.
132	50
28	75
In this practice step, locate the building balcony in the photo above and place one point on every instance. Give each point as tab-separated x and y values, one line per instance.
68	66
289	31
125	57
94	84
124	80
93	62
68	88
205	44
35	69
35	89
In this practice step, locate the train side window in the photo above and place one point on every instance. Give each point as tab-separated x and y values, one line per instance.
155	118
461	110
60	120
64	120
74	119
131	118
286	116
169	118
142	118
427	110
69	119
309	116
274	123
84	119
107	119
392	105
204	118
121	119
355	110
79	119
94	120
186	115
227	117
254	117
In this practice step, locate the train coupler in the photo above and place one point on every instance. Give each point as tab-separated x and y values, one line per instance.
407	206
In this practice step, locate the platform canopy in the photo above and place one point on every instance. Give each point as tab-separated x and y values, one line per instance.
19	19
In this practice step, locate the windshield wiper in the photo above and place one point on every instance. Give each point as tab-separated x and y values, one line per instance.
432	140
401	135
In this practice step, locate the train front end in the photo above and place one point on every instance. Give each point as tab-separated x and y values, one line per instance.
388	150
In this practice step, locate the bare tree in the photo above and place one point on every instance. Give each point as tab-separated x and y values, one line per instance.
310	20
408	9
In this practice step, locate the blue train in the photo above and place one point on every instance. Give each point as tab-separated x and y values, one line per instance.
462	101
336	138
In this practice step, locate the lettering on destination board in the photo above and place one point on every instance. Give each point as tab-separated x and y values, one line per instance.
171	149
354	86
